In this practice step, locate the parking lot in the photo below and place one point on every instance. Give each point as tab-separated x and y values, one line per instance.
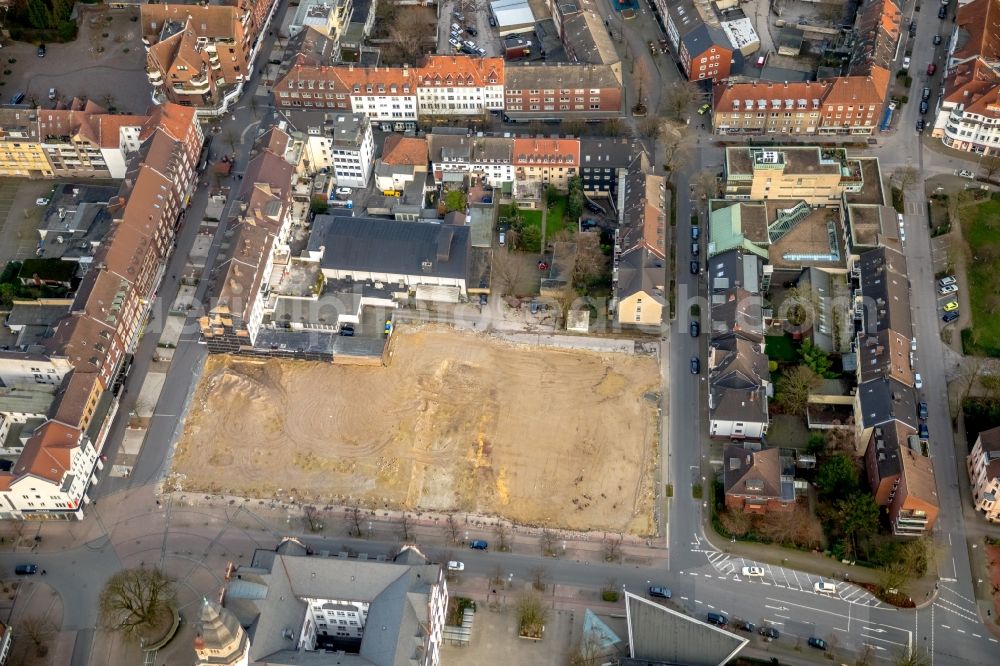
20	217
106	63
474	14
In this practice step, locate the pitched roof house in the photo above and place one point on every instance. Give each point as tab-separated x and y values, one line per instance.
757	480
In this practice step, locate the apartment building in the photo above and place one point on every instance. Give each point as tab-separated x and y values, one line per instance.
968	116
387	95
21	151
852	104
377	612
489	159
199	55
638	276
810	174
563	91
541	162
604	162
983	464
768	108
341	143
703	48
329	17
449	85
583	33
85	140
261	231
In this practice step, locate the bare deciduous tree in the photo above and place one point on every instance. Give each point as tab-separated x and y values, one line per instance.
548	543
640	77
507	268
355	518
590	262
613	127
589	650
613	547
677	146
405	526
35	633
135	601
407	34
910	657
497	577
539	578
451	528
678	99
906	176
503	536
990	167
313	518
793	387
705	184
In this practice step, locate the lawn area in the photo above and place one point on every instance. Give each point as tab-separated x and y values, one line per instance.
981	229
780	348
533	218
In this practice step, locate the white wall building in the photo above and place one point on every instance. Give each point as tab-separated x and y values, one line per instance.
460	85
52	474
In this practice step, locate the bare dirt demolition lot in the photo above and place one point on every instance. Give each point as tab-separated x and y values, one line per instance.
457	421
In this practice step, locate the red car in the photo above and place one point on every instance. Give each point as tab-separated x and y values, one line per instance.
931	68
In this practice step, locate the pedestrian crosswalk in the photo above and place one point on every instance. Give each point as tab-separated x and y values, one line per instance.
732	568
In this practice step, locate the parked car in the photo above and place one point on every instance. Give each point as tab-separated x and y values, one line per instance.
347	331
924	106
493	22
17	97
695	249
694	233
937	40
479	544
925	93
695	267
768	632
946	280
950	306
931	68
481	51
26	569
52	93
948	289
918	381
343	191
922	410
471	44
41	201
472	31
592	207
753	571
454	565
503	237
456	27
455	43
703	109
965	173
743	625
41	50
943	12
817	643
949	317
824	587
659	592
920	125
695	365
924	431
695	329
718	619
906	63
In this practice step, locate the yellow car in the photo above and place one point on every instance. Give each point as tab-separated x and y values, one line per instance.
704	109
950	306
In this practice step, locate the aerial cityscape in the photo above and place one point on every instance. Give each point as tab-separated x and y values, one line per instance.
432	332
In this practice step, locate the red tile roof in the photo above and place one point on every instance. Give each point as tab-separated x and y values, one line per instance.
48	453
980	20
539	151
449	70
404	150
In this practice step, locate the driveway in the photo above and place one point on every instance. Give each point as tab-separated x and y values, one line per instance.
109	70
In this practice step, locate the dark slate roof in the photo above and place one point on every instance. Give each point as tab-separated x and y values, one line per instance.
886	291
885	400
605	152
659	634
390	246
703	37
640	270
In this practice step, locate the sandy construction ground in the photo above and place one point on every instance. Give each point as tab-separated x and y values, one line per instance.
456	421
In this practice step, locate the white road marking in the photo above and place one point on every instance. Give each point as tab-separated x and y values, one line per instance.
993	640
764	583
961	631
696	601
684	598
956	593
945	626
783	617
977	635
